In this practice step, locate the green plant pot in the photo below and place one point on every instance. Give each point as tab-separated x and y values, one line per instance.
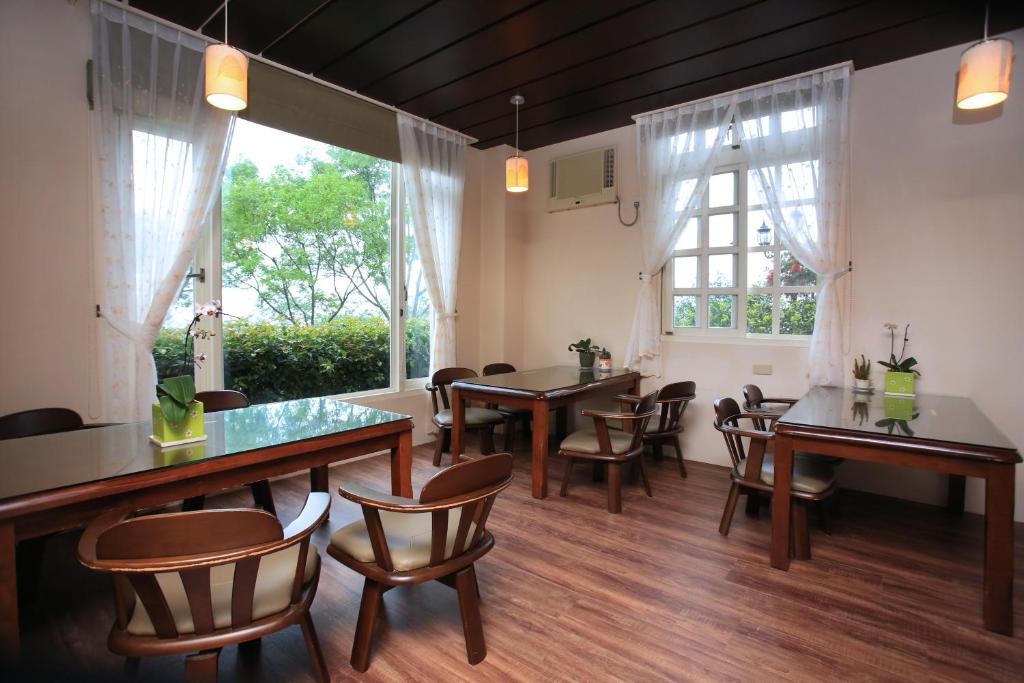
899	407
899	383
190	429
587	359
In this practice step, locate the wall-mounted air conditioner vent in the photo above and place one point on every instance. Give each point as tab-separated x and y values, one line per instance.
583	179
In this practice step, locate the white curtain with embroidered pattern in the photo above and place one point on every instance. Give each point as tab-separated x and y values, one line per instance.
160	155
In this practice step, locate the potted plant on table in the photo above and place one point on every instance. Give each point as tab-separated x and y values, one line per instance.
862	374
587	352
177	416
899	380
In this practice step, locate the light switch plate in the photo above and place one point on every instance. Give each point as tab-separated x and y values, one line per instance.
762	369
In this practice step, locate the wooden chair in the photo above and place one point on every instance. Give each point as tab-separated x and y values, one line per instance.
193	582
753	471
512	415
39	421
666	428
755	401
215	402
402	542
614	447
482	420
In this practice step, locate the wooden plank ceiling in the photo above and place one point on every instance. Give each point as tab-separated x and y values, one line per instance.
584	66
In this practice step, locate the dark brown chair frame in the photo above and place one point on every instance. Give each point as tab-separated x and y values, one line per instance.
471	485
727	417
135	550
439	383
512	415
39	421
673	400
634	421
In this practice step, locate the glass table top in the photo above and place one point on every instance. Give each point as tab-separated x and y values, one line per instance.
544	380
929	417
51	461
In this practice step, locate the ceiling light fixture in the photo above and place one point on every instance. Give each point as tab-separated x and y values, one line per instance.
227	74
984	78
517	169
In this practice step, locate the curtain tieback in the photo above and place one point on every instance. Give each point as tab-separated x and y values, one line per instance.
835	274
449	316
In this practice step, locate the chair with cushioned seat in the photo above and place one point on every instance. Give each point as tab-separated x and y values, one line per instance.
481	420
512	415
402	542
753	471
215	402
612	447
192	582
665	428
754	401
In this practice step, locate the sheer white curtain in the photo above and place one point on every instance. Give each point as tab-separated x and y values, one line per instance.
433	172
794	135
160	153
676	151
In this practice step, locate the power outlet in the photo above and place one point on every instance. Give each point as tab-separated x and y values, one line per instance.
762	369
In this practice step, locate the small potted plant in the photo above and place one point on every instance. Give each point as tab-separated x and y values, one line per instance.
587	352
604	361
862	374
177	416
899	380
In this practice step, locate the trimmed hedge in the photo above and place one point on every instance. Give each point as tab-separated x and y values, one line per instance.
271	362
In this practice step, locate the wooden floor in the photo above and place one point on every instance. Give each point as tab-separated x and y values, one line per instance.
571	592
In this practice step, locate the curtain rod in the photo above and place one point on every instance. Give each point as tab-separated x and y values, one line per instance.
122	4
848	63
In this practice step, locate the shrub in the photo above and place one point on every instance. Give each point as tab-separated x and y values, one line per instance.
272	362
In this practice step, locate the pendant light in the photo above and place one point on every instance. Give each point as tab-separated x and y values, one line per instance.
227	74
517	169
984	78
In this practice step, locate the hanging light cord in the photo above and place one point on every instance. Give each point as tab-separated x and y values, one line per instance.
984	35
225	22
517	129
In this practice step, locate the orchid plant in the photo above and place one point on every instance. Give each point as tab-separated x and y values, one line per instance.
901	364
195	331
176	393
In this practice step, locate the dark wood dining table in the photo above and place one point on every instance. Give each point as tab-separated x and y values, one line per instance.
539	391
945	434
58	482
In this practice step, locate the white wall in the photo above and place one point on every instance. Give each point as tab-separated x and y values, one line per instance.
937	241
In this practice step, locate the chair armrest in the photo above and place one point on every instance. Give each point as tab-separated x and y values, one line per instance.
750	433
318	504
627	398
788	401
87	542
378	500
604	415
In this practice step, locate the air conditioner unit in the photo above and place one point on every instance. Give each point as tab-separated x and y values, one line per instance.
583	179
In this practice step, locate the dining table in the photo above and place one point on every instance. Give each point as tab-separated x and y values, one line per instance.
57	482
946	434
539	391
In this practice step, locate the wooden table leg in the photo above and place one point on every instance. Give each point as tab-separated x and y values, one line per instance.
781	503
561	422
957	487
540	449
458	424
998	591
401	466
10	639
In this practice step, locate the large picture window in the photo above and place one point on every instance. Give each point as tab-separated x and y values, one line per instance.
317	272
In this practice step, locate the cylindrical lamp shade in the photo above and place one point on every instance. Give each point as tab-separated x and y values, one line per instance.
227	77
517	174
984	78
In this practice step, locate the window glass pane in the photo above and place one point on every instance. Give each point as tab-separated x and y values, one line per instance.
793	273
760	270
417	311
796	119
306	267
722	270
722	230
753	195
722	190
754	221
796	313
686	273
721	310
755	128
759	313
797	180
690	237
684	311
686	189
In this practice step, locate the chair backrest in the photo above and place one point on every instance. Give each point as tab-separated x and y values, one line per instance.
752	396
224	399
439	382
644	409
727	416
39	421
498	369
673	399
145	553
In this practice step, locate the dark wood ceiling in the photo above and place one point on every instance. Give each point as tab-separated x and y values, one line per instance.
584	66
